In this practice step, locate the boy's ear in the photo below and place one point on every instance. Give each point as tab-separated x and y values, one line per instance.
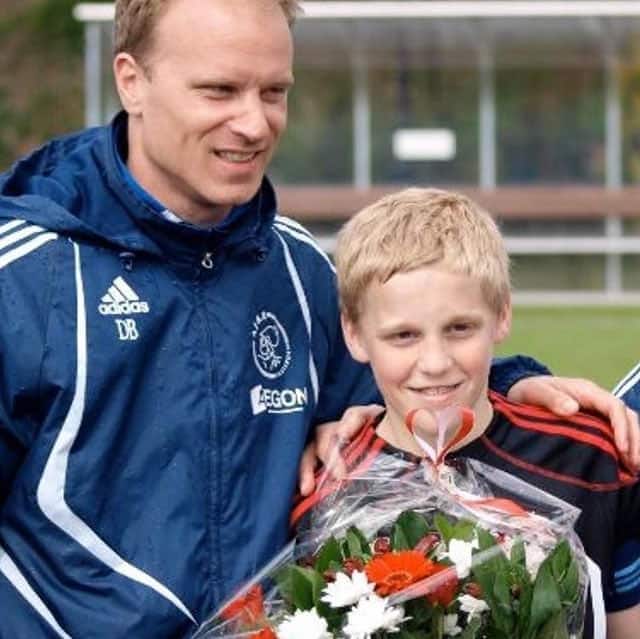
504	323
352	339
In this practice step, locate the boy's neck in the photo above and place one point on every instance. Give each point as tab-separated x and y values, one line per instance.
396	434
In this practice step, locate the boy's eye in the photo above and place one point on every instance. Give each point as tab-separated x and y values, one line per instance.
402	337
461	328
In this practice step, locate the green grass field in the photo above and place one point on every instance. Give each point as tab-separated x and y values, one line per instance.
600	343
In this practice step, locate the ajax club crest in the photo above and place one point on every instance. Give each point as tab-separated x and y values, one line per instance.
271	348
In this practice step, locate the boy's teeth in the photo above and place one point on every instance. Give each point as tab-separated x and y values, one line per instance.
437	390
236	156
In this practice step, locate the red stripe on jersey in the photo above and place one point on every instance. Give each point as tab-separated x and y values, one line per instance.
582	419
537	470
555	426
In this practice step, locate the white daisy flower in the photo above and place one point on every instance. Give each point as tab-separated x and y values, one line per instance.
472	606
534	557
345	590
371	615
461	554
303	623
451	627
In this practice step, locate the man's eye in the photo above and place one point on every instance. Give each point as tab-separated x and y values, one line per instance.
275	94
217	91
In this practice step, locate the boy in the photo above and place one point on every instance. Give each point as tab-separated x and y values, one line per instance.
425	295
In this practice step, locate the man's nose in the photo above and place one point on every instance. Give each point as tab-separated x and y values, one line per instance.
251	121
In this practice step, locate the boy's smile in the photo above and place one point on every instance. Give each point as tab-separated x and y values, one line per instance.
429	336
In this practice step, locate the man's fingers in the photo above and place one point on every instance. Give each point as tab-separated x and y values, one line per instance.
335	465
621	423
355	418
634	440
553	397
632	452
306	476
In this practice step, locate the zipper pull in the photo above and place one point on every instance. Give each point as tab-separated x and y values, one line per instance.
207	261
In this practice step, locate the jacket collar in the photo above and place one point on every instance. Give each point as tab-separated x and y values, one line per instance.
245	231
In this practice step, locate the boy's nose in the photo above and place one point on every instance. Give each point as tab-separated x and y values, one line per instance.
434	358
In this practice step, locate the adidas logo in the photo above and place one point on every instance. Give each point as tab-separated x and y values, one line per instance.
121	299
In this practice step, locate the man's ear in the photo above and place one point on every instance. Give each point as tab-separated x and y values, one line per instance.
130	79
503	326
353	340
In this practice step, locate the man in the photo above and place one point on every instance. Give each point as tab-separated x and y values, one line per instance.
624	623
170	341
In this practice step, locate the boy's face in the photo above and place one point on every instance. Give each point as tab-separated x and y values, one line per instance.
429	336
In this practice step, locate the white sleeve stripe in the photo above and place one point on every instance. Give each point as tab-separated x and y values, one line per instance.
629	380
17	236
9	226
307	240
51	487
296	226
9	569
306	313
26	248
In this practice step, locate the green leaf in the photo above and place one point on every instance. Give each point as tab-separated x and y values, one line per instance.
328	554
546	597
555	628
565	572
570	585
300	586
518	555
472	631
399	539
420	613
413	525
560	558
501	610
464	529
444	527
357	544
485	539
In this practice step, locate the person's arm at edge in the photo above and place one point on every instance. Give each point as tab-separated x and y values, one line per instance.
624	624
522	379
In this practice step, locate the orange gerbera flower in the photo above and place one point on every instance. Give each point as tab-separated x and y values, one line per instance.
247	608
395	571
265	633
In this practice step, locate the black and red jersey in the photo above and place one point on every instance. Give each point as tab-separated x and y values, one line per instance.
572	458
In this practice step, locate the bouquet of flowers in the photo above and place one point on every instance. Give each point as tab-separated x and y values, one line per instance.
425	551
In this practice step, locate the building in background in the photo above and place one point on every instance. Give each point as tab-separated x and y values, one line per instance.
533	108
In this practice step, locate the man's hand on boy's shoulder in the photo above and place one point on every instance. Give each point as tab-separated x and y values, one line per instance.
330	438
565	396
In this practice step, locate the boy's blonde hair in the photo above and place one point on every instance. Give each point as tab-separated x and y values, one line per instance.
417	228
135	21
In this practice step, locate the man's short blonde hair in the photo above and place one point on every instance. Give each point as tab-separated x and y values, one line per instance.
417	228
135	21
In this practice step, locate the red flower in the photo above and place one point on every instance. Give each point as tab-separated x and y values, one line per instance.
396	571
247	609
265	633
444	594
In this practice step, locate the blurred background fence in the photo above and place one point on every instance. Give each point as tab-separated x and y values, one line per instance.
531	107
